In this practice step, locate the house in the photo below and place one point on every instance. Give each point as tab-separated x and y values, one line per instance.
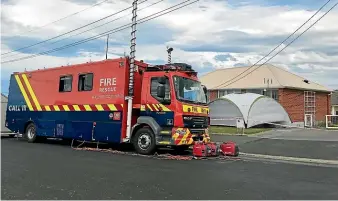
305	101
334	103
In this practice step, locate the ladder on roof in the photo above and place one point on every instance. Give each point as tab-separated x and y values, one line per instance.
309	108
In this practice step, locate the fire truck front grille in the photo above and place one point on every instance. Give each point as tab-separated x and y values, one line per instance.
195	122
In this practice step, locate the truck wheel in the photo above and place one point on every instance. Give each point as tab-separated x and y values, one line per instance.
144	141
30	133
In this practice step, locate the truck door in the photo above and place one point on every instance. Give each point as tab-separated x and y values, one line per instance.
157	106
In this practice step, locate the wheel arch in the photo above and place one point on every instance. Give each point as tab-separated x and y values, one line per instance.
26	125
146	122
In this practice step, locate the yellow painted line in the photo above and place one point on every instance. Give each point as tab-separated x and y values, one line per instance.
22	89
47	108
76	108
99	107
87	107
112	107
293	159
30	90
56	108
65	107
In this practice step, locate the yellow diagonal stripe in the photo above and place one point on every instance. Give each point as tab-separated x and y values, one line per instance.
112	107
164	108
22	89
99	107
155	106
76	108
31	92
56	108
66	108
87	108
151	109
47	108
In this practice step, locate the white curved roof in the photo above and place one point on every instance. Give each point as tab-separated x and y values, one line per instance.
254	108
243	102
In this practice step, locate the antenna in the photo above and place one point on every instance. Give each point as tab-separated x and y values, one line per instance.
107	46
169	50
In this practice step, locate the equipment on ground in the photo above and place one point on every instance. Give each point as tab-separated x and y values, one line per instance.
229	148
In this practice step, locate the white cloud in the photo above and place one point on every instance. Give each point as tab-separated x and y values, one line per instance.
215	24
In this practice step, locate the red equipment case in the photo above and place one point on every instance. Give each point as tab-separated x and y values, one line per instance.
201	149
229	149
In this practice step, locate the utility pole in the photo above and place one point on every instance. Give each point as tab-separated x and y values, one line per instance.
131	71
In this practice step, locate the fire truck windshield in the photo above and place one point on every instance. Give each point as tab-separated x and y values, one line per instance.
188	90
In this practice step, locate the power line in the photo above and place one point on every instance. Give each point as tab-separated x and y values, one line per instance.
286	45
72	30
118	29
63	17
279	44
105	23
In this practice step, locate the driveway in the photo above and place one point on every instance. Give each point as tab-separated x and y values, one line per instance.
291	143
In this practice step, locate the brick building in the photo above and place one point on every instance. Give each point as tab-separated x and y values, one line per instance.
305	101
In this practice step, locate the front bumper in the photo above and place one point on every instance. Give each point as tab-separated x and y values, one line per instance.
185	136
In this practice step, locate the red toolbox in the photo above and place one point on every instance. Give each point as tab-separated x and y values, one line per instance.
202	149
229	149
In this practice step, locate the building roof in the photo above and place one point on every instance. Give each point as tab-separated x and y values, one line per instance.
334	98
279	78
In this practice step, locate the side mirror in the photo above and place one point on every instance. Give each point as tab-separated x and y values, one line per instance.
161	91
205	89
205	92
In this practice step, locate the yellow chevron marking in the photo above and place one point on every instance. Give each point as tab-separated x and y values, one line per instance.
155	106
99	107
22	89
76	108
56	108
87	107
151	109
30	90
65	107
47	108
164	108
112	107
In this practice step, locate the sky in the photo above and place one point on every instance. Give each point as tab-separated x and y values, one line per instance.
208	34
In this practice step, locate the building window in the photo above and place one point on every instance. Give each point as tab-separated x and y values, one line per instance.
153	89
274	94
65	84
86	82
222	93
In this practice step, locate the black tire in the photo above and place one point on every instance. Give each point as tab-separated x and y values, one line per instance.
30	133
144	136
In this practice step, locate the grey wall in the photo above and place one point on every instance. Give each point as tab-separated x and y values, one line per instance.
4	101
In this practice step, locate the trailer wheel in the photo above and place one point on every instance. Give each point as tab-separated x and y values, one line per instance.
144	141
30	132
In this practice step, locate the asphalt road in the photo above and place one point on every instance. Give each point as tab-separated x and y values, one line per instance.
282	147
54	171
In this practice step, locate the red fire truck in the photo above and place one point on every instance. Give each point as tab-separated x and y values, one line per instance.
87	102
